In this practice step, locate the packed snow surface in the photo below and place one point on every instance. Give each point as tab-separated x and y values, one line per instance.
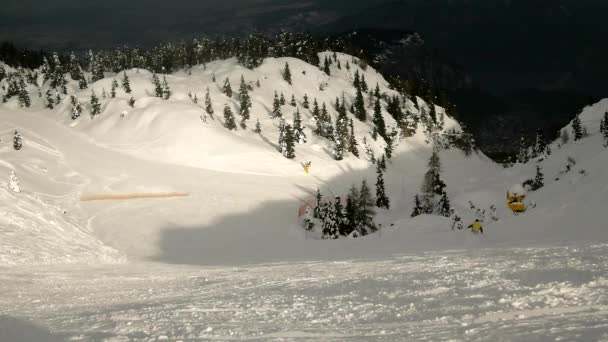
230	261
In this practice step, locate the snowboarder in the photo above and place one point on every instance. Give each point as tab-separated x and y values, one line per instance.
476	227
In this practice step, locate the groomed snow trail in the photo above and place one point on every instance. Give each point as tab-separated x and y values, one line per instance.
486	295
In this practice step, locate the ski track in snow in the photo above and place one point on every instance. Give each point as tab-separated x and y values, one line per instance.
557	293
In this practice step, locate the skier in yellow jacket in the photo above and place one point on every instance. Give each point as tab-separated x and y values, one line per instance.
476	227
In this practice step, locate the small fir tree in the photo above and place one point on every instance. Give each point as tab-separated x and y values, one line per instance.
166	89
577	128
258	127
17	141
158	88
443	207
298	130
293	102
276	107
282	99
229	118
113	89
352	142
95	105
305	102
50	102
418	209
132	102
208	104
538	179
126	84
360	106
13	183
287	73
288	143
227	88
382	200
366	210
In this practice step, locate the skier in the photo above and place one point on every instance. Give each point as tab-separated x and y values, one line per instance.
476	227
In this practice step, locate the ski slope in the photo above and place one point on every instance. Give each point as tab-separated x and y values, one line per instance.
230	261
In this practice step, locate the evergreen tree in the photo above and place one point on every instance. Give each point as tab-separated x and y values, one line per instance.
289	142
388	149
305	102
418	209
377	91
605	129
166	89
113	88
365	221
382	200
360	106
352	142
245	103
287	73
57	99
364	87
158	88
276	107
577	129
298	130
208	104
357	80
82	83
351	211
317	212
132	102
326	66
293	102
340	217
95	105
540	145
49	100
522	155
229	118
76	107
227	88
17	143
378	120
432	184
282	99
330	222
538	179
126	84
443	207
23	96
281	142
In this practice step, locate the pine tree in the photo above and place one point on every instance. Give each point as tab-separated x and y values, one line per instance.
23	96
293	102
605	130
360	106
330	222
258	127
418	209
57	99
364	87
82	83
76	107
382	162
208	104
289	142
351	211
433	185
388	149
538	179
305	102
49	100
282	99
17	143
352	142
287	73
377	91
158	88
276	107
357	80
113	88
126	84
166	89
298	130
281	142
229	118
13	183
540	145
444	208
95	105
577	129
522	155
317	212
382	200
326	66
378	120
245	103
227	88
365	210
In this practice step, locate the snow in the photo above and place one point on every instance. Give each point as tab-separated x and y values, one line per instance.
230	260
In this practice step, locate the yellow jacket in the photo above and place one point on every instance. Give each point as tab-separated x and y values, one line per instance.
476	227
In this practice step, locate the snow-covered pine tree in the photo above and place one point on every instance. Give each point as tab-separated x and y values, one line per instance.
113	88
577	128
281	142
377	91
357	80
538	179
76	107
298	130
365	221
227	89
360	106
352	141
17	141
364	87
276	106
282	99
351	212
540	146
293	102
522	154
289	143
378	120
382	200
208	104
229	118
305	102
287	73
443	207
388	149
13	183
326	66
418	209
57	98
23	96
132	102
50	102
382	162
317	212
158	88
95	105
245	103
330	222
126	84
166	89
